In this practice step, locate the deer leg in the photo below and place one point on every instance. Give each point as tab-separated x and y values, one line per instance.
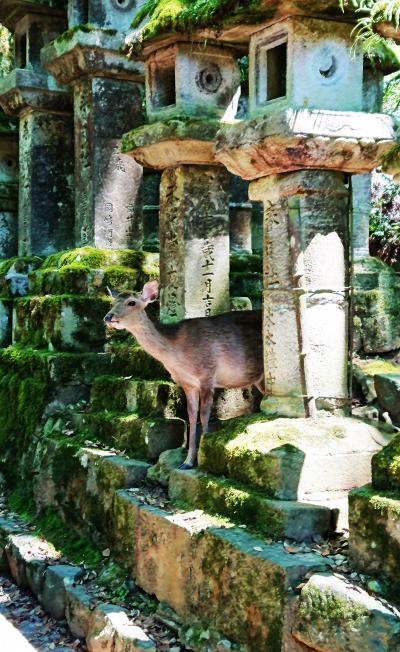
192	400
206	401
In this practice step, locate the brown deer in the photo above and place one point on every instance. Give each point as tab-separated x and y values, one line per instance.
200	354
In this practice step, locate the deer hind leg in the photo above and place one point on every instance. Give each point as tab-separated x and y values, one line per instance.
192	400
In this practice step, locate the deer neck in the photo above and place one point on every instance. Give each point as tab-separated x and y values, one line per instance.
149	337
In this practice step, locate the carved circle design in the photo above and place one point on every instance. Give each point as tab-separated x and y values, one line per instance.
124	5
330	63
8	167
209	79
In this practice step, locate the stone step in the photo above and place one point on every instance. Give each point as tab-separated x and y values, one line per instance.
276	519
158	397
334	614
60	323
294	459
227	580
387	387
245	283
374	542
129	359
141	438
81	279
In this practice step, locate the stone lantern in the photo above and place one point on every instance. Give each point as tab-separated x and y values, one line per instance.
189	89
45	130
308	130
107	96
8	188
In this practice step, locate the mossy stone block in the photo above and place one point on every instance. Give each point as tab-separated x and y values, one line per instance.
94	259
365	370
156	397
139	437
386	467
14	273
293	458
273	518
338	616
61	322
5	322
377	319
245	283
129	359
374	543
387	387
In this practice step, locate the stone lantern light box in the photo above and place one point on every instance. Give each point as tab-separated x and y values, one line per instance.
305	63
189	79
110	14
32	32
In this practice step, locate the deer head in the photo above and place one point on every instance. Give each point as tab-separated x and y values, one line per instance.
127	306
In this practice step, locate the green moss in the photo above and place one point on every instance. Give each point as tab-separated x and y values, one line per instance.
386	466
179	127
99	258
22	264
327	607
165	16
86	28
372	367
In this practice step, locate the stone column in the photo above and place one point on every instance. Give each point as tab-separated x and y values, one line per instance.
46	183
306	293
240	229
108	213
361	208
8	193
194	242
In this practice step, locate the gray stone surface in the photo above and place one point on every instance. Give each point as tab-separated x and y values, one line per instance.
194	242
21	551
53	595
360	211
338	616
78	610
387	387
306	296
8	195
111	631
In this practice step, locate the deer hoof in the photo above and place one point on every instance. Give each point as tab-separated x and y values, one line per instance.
186	467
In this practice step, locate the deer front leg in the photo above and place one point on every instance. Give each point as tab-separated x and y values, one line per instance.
192	400
206	401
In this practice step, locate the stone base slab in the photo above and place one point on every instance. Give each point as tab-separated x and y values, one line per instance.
294	458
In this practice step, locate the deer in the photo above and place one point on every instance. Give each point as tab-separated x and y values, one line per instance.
201	354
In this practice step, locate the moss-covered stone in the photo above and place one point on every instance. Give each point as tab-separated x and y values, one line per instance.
246	263
129	359
245	283
60	322
102	258
364	372
272	518
14	274
179	128
374	543
139	437
386	467
158	397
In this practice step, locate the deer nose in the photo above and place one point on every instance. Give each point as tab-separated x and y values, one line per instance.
108	316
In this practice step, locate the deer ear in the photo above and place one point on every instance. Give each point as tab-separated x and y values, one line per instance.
112	293
150	291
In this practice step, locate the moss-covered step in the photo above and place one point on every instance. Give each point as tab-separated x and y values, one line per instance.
226	580
293	459
273	518
387	387
374	542
338	616
90	271
129	359
158	397
14	275
60	323
365	370
244	284
386	467
80	482
142	438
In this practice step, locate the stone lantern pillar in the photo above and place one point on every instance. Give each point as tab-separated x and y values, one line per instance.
45	131
8	188
194	200
107	95
307	131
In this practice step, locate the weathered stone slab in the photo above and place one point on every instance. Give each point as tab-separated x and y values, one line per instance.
374	543
111	631
338	616
25	89
21	550
276	519
365	370
387	387
60	323
294	458
166	463
305	138
194	242
53	595
78	610
226	579
386	467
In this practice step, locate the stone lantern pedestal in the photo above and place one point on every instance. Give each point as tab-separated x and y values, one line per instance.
107	102
45	132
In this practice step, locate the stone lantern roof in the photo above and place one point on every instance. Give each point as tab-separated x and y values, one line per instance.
11	11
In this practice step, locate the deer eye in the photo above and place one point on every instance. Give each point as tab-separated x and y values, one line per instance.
131	303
